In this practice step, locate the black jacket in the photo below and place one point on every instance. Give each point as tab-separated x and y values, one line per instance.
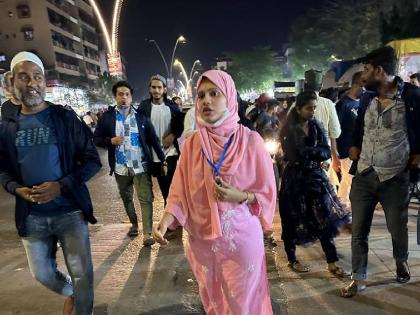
147	138
177	122
8	109
79	161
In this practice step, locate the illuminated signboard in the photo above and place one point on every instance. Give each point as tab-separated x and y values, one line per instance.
114	64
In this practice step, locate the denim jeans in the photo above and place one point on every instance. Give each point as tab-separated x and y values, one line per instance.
393	195
143	186
71	230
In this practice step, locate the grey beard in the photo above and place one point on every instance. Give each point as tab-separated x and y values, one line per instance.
29	100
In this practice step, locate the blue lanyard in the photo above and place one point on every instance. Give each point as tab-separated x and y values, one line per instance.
216	168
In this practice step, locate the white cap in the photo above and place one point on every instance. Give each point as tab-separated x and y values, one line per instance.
26	56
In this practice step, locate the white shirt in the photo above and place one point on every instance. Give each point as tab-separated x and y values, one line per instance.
161	120
189	123
326	114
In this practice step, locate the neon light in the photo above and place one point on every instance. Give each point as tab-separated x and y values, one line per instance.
102	24
115	24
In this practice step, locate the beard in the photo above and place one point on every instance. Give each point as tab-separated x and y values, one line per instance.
372	85
30	99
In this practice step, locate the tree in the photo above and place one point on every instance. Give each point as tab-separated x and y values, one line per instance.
254	70
402	22
101	91
341	29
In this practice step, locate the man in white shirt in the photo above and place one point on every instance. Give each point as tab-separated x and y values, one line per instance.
167	121
325	113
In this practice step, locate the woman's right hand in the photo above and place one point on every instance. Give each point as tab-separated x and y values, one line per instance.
160	229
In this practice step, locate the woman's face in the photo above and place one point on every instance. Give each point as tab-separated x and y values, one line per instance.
307	112
212	103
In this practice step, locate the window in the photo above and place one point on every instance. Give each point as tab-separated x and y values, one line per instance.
28	32
23	11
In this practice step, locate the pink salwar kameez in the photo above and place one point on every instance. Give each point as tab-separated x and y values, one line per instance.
231	270
225	247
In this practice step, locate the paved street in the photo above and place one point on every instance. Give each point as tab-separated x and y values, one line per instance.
131	279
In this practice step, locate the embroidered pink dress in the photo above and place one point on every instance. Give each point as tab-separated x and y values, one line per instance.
225	247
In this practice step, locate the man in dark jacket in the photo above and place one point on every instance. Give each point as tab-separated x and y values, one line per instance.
168	122
46	156
130	138
386	144
12	105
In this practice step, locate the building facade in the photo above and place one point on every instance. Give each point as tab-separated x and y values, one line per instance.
62	32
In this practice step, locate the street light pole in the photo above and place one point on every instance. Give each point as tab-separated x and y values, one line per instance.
180	39
161	54
193	66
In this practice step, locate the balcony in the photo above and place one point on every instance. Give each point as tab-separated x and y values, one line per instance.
64	43
63	23
67	68
87	21
65	33
63	8
85	6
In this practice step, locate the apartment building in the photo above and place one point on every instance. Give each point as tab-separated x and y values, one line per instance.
62	32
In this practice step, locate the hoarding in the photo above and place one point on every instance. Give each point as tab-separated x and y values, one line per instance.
114	64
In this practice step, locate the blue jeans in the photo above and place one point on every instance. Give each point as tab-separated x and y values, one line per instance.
71	230
393	195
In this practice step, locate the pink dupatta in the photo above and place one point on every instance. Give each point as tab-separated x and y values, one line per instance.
191	197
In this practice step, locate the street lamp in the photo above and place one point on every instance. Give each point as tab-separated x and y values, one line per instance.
177	63
181	39
197	62
188	80
160	53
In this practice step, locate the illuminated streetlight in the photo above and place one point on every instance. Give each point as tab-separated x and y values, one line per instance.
181	39
188	80
177	63
160	53
197	62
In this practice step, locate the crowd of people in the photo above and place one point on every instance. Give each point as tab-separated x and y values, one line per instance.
339	154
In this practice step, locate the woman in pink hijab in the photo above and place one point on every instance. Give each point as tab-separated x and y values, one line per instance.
224	194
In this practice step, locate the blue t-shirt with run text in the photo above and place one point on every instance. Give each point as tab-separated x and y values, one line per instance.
39	159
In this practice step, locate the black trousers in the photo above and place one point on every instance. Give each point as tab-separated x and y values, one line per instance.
165	181
327	244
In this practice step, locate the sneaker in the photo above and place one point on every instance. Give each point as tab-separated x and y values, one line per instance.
133	231
148	240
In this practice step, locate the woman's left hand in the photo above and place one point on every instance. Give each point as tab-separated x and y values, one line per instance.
227	193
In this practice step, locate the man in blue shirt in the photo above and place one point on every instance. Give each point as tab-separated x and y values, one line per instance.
347	114
46	156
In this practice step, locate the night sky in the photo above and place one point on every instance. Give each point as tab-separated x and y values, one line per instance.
210	27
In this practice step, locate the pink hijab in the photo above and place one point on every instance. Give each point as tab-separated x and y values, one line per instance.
191	197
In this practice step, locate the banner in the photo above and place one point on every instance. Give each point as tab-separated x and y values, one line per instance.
114	64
